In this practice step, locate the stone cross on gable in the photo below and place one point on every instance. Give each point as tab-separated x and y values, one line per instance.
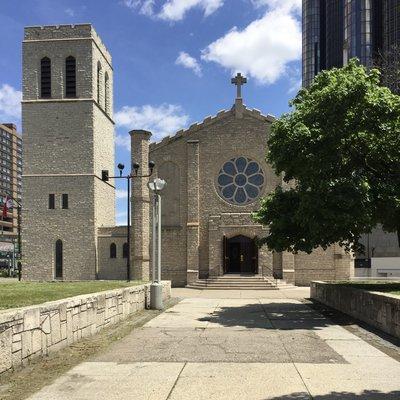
239	81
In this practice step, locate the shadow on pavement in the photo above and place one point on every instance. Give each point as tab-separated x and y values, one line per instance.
365	395
284	316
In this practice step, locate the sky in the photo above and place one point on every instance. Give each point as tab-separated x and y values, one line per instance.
173	59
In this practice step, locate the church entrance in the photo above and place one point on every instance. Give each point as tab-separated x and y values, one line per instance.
240	255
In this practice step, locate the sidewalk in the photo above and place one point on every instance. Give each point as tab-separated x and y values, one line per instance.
234	345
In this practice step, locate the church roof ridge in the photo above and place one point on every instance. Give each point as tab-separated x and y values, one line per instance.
209	120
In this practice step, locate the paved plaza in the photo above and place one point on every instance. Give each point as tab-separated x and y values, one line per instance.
254	345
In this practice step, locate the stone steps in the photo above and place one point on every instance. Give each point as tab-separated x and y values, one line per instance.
234	282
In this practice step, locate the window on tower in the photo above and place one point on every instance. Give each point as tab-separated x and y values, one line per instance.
64	201
106	93
52	202
59	259
98	82
70	77
45	78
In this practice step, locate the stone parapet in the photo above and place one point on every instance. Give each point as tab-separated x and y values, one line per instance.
35	331
377	309
65	32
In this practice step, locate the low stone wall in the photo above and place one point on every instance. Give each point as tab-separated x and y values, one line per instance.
31	332
377	309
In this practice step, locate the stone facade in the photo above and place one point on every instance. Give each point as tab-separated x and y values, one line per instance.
35	331
140	207
68	141
112	268
197	220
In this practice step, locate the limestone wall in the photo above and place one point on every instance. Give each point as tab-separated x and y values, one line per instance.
35	331
377	309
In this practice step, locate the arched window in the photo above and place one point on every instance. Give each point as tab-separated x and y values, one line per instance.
113	250
106	93
125	250
70	77
59	259
98	82
45	78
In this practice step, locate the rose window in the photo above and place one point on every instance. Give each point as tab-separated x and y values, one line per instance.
240	181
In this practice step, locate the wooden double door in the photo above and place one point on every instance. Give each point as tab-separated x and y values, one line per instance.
240	255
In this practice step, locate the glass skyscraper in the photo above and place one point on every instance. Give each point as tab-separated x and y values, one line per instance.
335	31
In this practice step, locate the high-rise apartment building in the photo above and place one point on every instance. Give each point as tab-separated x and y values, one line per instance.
10	177
334	31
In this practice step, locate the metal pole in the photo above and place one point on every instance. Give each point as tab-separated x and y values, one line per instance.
13	258
156	288
19	242
154	260
159	240
128	259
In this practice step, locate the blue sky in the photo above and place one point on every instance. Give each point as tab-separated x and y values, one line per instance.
173	59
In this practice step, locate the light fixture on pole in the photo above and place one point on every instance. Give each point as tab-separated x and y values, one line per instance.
156	301
130	176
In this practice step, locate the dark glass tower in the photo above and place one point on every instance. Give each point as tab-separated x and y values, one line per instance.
391	24
335	31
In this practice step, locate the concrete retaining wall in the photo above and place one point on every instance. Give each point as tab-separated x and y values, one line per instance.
377	309
34	331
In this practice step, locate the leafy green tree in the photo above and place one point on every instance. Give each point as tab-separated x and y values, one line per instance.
339	152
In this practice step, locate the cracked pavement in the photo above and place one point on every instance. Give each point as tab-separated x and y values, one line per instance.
265	346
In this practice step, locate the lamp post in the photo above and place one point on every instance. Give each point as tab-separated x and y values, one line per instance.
128	178
156	301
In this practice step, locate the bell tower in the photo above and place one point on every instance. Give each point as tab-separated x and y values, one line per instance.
67	114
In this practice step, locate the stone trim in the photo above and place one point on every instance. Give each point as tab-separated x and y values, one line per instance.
68	100
64	175
210	120
35	331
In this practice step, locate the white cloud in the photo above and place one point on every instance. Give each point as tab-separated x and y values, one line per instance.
145	7
173	10
123	141
10	102
121	217
161	120
189	62
121	193
265	47
70	12
294	5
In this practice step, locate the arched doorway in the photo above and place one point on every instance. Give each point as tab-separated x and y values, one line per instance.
59	259
240	255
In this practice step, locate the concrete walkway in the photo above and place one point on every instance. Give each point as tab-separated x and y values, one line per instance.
235	345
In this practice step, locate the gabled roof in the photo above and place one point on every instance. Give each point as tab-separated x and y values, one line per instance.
210	120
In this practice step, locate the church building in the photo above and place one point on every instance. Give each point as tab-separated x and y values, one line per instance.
215	171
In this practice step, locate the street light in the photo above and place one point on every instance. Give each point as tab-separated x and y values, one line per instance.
156	301
128	178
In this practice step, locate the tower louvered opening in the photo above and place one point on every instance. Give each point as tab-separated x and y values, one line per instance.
70	77
45	77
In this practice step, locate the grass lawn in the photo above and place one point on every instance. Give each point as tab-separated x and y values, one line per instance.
376	286
20	294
